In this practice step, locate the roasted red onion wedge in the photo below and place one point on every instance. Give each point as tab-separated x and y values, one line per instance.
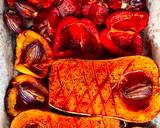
13	21
26	10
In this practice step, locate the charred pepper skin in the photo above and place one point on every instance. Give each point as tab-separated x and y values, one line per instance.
122	36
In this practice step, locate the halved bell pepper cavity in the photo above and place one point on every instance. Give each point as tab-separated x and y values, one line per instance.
127	20
25	91
42	119
121	43
122	34
101	88
77	38
33	54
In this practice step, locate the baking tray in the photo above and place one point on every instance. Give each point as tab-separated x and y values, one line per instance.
6	66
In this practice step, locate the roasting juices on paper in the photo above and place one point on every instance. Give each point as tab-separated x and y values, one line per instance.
81	64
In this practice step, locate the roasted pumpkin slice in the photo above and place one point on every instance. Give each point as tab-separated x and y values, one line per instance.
33	54
125	88
25	92
42	119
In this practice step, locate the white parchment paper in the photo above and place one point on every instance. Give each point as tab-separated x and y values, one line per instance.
6	67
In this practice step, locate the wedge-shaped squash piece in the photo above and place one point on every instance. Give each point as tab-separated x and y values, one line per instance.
33	54
43	119
125	88
25	92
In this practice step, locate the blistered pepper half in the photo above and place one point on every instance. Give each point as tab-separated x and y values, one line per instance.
77	38
122	34
127	20
33	54
121	43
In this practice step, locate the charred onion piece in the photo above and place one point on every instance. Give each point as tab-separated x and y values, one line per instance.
26	10
33	93
13	21
25	92
33	54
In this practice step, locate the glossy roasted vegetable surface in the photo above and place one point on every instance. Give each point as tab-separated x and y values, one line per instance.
33	54
43	119
106	87
25	92
89	35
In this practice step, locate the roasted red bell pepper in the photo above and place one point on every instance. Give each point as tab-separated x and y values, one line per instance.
77	38
121	43
128	20
122	34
